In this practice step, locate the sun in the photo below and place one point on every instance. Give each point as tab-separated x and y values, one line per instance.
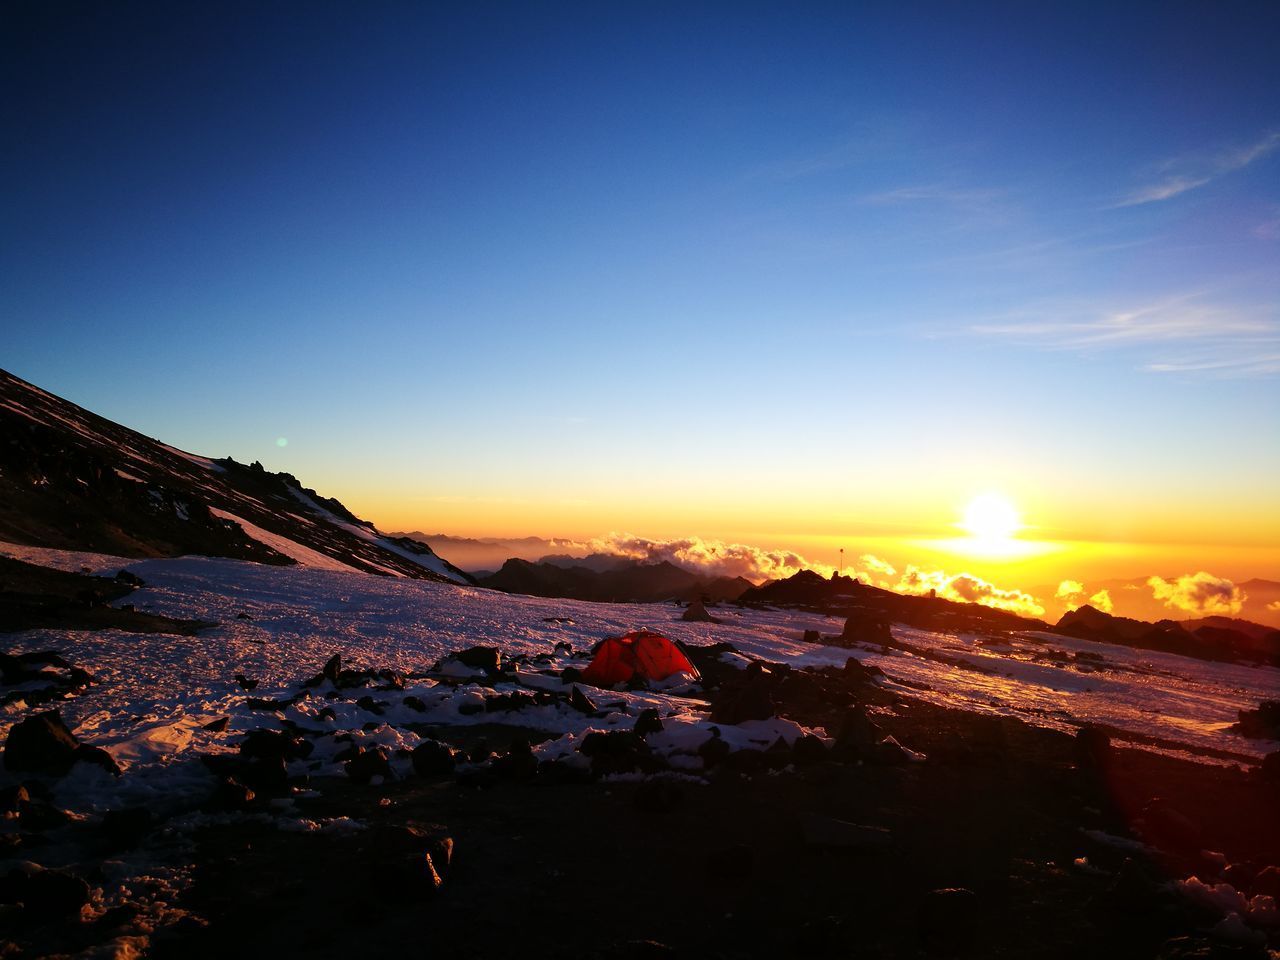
991	517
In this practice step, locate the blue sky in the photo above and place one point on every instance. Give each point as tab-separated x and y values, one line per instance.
585	261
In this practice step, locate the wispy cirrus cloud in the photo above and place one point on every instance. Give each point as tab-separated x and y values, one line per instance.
1186	334
1181	174
963	197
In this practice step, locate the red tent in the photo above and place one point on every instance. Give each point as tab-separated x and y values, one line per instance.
649	656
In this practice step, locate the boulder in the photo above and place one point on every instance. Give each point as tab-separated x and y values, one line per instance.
580	701
219	725
367	764
479	658
861	627
749	696
51	894
518	763
432	759
40	743
648	722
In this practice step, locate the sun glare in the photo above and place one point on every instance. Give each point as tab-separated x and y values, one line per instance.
991	517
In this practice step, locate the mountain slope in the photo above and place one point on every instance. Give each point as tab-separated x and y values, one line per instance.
71	479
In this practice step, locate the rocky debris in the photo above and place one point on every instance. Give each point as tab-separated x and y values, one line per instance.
808	750
1260	724
580	701
275	744
368	764
245	682
488	659
518	763
406	863
749	696
42	743
129	579
230	794
47	667
949	920
432	759
716	750
828	832
618	751
45	895
862	627
648	722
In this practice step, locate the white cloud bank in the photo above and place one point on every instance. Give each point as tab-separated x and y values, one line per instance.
1200	593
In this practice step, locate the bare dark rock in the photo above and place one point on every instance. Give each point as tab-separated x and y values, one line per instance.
432	759
367	764
580	701
245	682
50	894
40	743
648	722
218	726
749	696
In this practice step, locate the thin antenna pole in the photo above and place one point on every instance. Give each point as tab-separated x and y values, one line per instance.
842	561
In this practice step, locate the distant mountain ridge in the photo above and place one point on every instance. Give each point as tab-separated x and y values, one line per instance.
620	579
1206	640
71	479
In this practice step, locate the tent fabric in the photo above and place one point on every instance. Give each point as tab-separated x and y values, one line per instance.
638	654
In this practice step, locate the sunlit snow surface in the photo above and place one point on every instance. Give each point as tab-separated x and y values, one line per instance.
155	691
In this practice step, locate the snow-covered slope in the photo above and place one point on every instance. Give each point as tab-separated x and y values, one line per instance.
73	480
155	690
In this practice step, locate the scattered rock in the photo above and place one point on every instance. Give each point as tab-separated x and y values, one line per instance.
218	726
40	743
746	697
231	794
808	749
865	628
518	763
479	658
367	764
648	722
50	894
581	702
245	682
432	759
